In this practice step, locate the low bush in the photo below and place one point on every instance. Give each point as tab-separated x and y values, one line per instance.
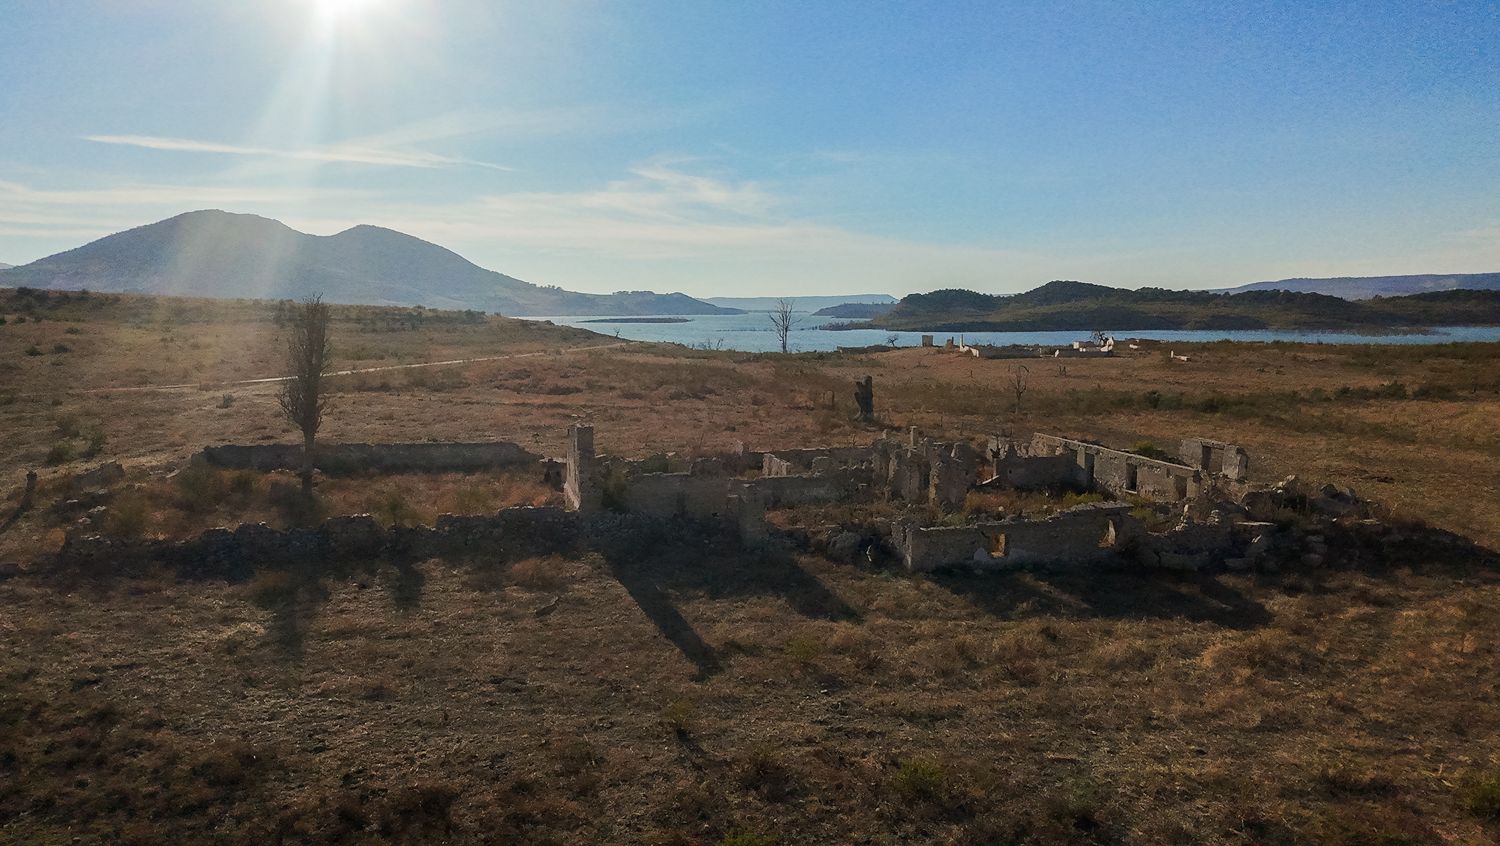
1481	795
923	781
803	648
59	453
537	573
680	715
200	488
95	440
272	588
127	515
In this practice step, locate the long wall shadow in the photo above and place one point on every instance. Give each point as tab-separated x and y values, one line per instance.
1108	594
654	568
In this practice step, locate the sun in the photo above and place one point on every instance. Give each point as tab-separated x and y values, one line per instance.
332	11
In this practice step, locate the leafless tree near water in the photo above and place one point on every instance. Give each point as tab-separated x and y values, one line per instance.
783	321
1019	374
308	356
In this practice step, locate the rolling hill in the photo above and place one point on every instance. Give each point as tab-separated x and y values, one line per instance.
1067	305
798	303
219	254
1368	287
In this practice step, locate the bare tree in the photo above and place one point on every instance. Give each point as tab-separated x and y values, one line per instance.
783	321
302	398
1019	374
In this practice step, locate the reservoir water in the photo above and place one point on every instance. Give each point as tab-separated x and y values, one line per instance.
753	333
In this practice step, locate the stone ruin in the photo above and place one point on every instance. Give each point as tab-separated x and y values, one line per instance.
1222	520
1214	516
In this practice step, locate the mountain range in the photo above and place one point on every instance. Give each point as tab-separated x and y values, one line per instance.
1069	305
219	254
1368	287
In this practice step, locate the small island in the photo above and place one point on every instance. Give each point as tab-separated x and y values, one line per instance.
638	320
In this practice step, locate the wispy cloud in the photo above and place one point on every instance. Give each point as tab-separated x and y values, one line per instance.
335	153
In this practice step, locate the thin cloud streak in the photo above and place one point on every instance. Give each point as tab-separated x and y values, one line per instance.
333	154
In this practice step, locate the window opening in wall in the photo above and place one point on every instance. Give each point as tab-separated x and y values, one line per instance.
998	544
1131	482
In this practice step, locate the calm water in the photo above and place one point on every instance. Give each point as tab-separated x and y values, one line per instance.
753	333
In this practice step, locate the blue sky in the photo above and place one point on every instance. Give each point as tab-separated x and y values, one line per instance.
777	148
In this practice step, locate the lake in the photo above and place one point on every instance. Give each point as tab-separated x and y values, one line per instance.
752	333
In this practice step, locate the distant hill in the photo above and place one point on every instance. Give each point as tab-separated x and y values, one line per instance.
4	266
218	254
855	311
1367	287
798	303
1066	305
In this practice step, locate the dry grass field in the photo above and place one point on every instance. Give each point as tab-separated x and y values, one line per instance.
691	693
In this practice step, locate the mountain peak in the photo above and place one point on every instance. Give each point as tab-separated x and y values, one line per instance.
1063	291
217	253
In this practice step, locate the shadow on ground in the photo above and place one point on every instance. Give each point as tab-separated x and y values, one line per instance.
1102	594
653	573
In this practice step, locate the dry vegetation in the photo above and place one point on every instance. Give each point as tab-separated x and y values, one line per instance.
686	694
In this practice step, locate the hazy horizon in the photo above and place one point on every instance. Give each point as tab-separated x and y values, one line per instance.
737	151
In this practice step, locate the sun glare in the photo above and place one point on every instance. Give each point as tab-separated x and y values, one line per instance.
337	10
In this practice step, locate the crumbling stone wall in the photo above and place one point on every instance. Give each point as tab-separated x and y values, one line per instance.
1216	458
339	459
1123	473
1084	535
581	487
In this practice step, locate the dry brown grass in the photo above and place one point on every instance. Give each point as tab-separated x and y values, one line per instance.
701	697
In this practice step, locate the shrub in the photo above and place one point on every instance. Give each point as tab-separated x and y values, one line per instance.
200	488
765	774
60	453
417	807
803	648
32	350
271	588
96	439
922	780
1150	450
67	426
61	348
395	510
679	715
127	516
536	573
242	482
1482	795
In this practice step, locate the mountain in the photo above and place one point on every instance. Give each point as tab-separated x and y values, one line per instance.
1078	306
1367	287
218	254
4	266
798	303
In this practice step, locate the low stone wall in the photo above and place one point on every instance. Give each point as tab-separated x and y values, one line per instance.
235	553
354	459
724	497
1121	473
1084	535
